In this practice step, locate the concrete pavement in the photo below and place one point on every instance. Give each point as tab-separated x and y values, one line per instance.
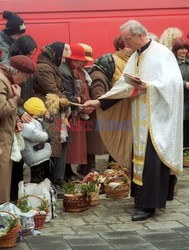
109	226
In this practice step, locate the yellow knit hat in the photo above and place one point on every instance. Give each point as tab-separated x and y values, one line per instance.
35	106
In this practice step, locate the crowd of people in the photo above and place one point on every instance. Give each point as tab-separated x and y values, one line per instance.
49	108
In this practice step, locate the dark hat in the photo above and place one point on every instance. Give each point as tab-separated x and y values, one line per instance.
14	25
54	51
23	64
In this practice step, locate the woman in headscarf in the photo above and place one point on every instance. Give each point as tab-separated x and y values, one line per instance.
101	74
105	71
48	79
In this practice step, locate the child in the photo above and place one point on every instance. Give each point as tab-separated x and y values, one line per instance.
37	147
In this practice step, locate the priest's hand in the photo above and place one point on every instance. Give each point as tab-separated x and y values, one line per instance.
92	104
138	84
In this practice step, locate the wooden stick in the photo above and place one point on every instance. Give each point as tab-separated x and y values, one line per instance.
77	104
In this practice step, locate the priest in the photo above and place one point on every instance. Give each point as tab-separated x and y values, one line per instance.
156	94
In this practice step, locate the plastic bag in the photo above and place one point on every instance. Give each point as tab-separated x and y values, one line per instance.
43	190
27	224
26	219
17	147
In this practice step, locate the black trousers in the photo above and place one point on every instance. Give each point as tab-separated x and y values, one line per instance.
158	184
17	176
40	172
186	133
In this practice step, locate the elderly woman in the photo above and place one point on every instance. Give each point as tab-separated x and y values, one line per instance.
49	80
10	78
180	50
104	70
76	84
24	45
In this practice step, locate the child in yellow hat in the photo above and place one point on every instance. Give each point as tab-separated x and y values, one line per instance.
37	147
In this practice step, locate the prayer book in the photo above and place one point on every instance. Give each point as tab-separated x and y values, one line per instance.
131	78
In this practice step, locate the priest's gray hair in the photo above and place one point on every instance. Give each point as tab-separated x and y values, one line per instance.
135	27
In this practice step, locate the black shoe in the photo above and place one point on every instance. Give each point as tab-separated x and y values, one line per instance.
142	214
73	177
80	169
88	169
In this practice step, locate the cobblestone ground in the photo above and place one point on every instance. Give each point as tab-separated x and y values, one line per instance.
109	225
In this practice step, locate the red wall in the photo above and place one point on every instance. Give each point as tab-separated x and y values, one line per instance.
95	22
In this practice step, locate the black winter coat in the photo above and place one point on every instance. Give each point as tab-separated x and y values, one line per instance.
184	68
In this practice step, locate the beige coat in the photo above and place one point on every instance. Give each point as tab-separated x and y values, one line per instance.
7	126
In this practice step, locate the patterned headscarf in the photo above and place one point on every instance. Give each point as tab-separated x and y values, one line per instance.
54	51
106	64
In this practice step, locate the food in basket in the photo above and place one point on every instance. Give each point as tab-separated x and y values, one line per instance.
109	171
117	186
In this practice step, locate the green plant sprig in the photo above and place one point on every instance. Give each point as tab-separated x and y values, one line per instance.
23	204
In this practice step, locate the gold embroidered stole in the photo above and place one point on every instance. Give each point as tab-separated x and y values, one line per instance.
140	127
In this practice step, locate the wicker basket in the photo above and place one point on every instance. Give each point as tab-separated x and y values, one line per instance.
120	191
117	167
186	159
39	219
94	198
9	240
75	202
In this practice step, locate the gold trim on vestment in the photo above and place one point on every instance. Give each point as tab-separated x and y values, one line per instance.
137	179
139	160
140	125
152	137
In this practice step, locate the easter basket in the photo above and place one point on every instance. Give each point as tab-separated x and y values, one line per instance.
186	157
9	240
117	186
75	197
40	217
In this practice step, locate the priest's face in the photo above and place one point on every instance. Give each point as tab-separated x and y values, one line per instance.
131	40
